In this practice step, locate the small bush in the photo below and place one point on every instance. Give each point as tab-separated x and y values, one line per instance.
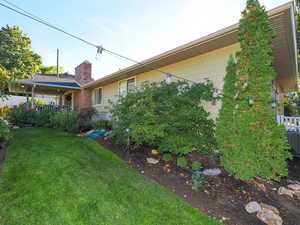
4	111
20	116
86	116
5	134
197	166
182	162
167	157
43	118
198	179
102	124
66	120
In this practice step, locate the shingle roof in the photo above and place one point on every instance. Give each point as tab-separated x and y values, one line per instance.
65	84
53	78
63	80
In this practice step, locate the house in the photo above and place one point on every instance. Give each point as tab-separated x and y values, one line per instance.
201	59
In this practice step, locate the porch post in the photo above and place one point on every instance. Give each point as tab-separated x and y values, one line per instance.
32	96
63	99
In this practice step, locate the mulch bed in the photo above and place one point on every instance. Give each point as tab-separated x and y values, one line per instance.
223	197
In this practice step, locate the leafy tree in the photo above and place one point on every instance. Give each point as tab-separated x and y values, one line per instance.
258	145
168	116
4	79
51	69
16	59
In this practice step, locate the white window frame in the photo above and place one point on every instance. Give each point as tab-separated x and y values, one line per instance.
119	83
93	96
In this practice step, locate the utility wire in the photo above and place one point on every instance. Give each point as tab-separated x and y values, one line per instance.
17	7
47	24
29	15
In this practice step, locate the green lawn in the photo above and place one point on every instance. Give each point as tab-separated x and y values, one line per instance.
54	178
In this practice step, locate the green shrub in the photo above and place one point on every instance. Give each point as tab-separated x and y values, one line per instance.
198	179
197	166
167	157
5	134
86	115
66	120
20	116
252	143
169	116
102	124
4	111
182	162
43	118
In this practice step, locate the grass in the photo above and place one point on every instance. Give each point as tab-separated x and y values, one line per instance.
53	178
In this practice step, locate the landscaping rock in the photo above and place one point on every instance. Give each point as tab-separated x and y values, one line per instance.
152	161
269	217
297	194
253	207
154	152
211	172
294	187
285	191
89	132
293	181
265	206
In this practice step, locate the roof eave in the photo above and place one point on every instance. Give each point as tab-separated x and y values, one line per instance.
208	38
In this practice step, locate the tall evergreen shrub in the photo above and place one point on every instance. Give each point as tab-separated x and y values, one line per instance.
226	114
257	145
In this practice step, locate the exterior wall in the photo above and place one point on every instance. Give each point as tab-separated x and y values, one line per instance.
210	66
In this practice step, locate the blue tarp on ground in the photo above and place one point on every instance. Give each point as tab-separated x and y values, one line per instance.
97	133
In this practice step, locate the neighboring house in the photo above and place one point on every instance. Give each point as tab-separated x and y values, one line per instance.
204	58
13	100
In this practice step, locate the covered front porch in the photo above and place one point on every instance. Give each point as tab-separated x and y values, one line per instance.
61	92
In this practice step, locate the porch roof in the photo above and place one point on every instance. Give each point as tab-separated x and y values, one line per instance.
46	84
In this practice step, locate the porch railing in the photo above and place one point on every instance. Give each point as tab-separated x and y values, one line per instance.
48	107
53	107
290	123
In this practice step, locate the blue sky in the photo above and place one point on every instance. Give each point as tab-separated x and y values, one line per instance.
138	29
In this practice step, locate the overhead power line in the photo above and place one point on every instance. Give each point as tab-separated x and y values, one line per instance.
13	7
35	18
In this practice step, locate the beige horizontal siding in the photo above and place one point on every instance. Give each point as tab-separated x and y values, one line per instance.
211	65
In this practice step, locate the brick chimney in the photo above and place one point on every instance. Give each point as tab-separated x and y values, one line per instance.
83	73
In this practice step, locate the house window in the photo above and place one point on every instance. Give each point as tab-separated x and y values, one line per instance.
97	96
126	86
